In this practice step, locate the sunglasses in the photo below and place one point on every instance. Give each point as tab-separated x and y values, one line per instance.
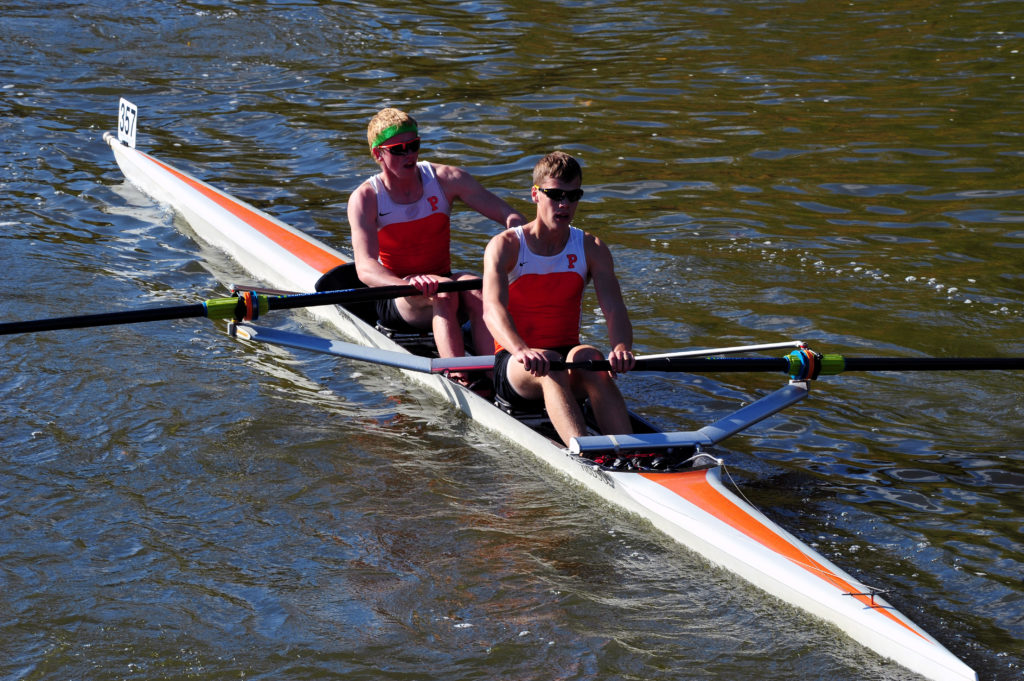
573	195
402	148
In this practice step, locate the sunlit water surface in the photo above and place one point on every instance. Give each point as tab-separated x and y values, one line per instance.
176	505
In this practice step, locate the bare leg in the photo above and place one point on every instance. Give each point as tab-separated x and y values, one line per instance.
563	409
605	398
472	302
559	399
440	314
446	327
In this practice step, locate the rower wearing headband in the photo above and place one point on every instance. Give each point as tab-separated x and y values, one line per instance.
401	234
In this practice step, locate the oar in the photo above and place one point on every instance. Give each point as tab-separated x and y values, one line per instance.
363	353
805	364
247	305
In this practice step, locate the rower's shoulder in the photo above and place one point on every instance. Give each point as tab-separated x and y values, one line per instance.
364	192
598	255
364	189
505	237
446	173
592	240
504	245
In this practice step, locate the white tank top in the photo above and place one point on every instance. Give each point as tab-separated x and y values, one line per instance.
546	293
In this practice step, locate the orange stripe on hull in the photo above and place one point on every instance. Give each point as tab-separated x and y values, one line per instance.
695	488
311	254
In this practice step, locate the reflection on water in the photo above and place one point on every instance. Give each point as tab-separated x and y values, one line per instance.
174	503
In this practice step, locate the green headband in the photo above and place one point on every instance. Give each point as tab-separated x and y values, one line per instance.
398	128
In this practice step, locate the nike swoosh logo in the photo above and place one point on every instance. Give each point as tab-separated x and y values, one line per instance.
383	214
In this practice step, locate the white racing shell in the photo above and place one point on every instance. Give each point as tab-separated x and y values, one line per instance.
692	507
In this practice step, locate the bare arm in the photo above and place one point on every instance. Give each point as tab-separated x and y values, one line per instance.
499	255
499	258
459	184
609	296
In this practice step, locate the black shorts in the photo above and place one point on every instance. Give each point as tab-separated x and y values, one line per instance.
389	317
504	389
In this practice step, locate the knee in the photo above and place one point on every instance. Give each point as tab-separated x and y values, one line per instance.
558	380
446	303
472	300
591	379
584	353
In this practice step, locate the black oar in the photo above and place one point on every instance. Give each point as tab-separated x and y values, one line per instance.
245	306
805	364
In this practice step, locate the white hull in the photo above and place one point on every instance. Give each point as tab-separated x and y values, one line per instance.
692	507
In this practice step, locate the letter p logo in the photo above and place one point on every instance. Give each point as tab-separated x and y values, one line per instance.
433	203
571	257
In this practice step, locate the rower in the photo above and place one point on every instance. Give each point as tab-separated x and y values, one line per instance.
534	278
401	234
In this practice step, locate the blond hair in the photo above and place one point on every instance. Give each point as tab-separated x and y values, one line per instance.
558	165
387	123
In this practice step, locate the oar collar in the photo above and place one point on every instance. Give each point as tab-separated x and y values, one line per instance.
806	364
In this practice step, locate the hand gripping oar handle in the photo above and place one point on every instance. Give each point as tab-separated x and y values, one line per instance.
247	305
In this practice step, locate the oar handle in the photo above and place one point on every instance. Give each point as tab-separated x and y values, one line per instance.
362	295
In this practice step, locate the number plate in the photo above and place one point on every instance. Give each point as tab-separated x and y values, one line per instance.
127	116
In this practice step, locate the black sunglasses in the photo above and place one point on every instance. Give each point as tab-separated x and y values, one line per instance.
556	195
403	148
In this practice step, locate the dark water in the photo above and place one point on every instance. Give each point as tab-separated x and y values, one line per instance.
174	505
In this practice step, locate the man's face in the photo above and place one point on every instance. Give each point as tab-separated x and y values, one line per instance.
398	151
557	200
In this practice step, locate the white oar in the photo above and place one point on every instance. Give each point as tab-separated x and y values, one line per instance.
391	358
429	365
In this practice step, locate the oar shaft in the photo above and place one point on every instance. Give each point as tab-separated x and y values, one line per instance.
105	319
932	363
227	308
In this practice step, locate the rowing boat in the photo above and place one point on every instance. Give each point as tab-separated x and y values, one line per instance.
689	504
692	506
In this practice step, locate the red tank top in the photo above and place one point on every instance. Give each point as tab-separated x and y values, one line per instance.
414	238
545	293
